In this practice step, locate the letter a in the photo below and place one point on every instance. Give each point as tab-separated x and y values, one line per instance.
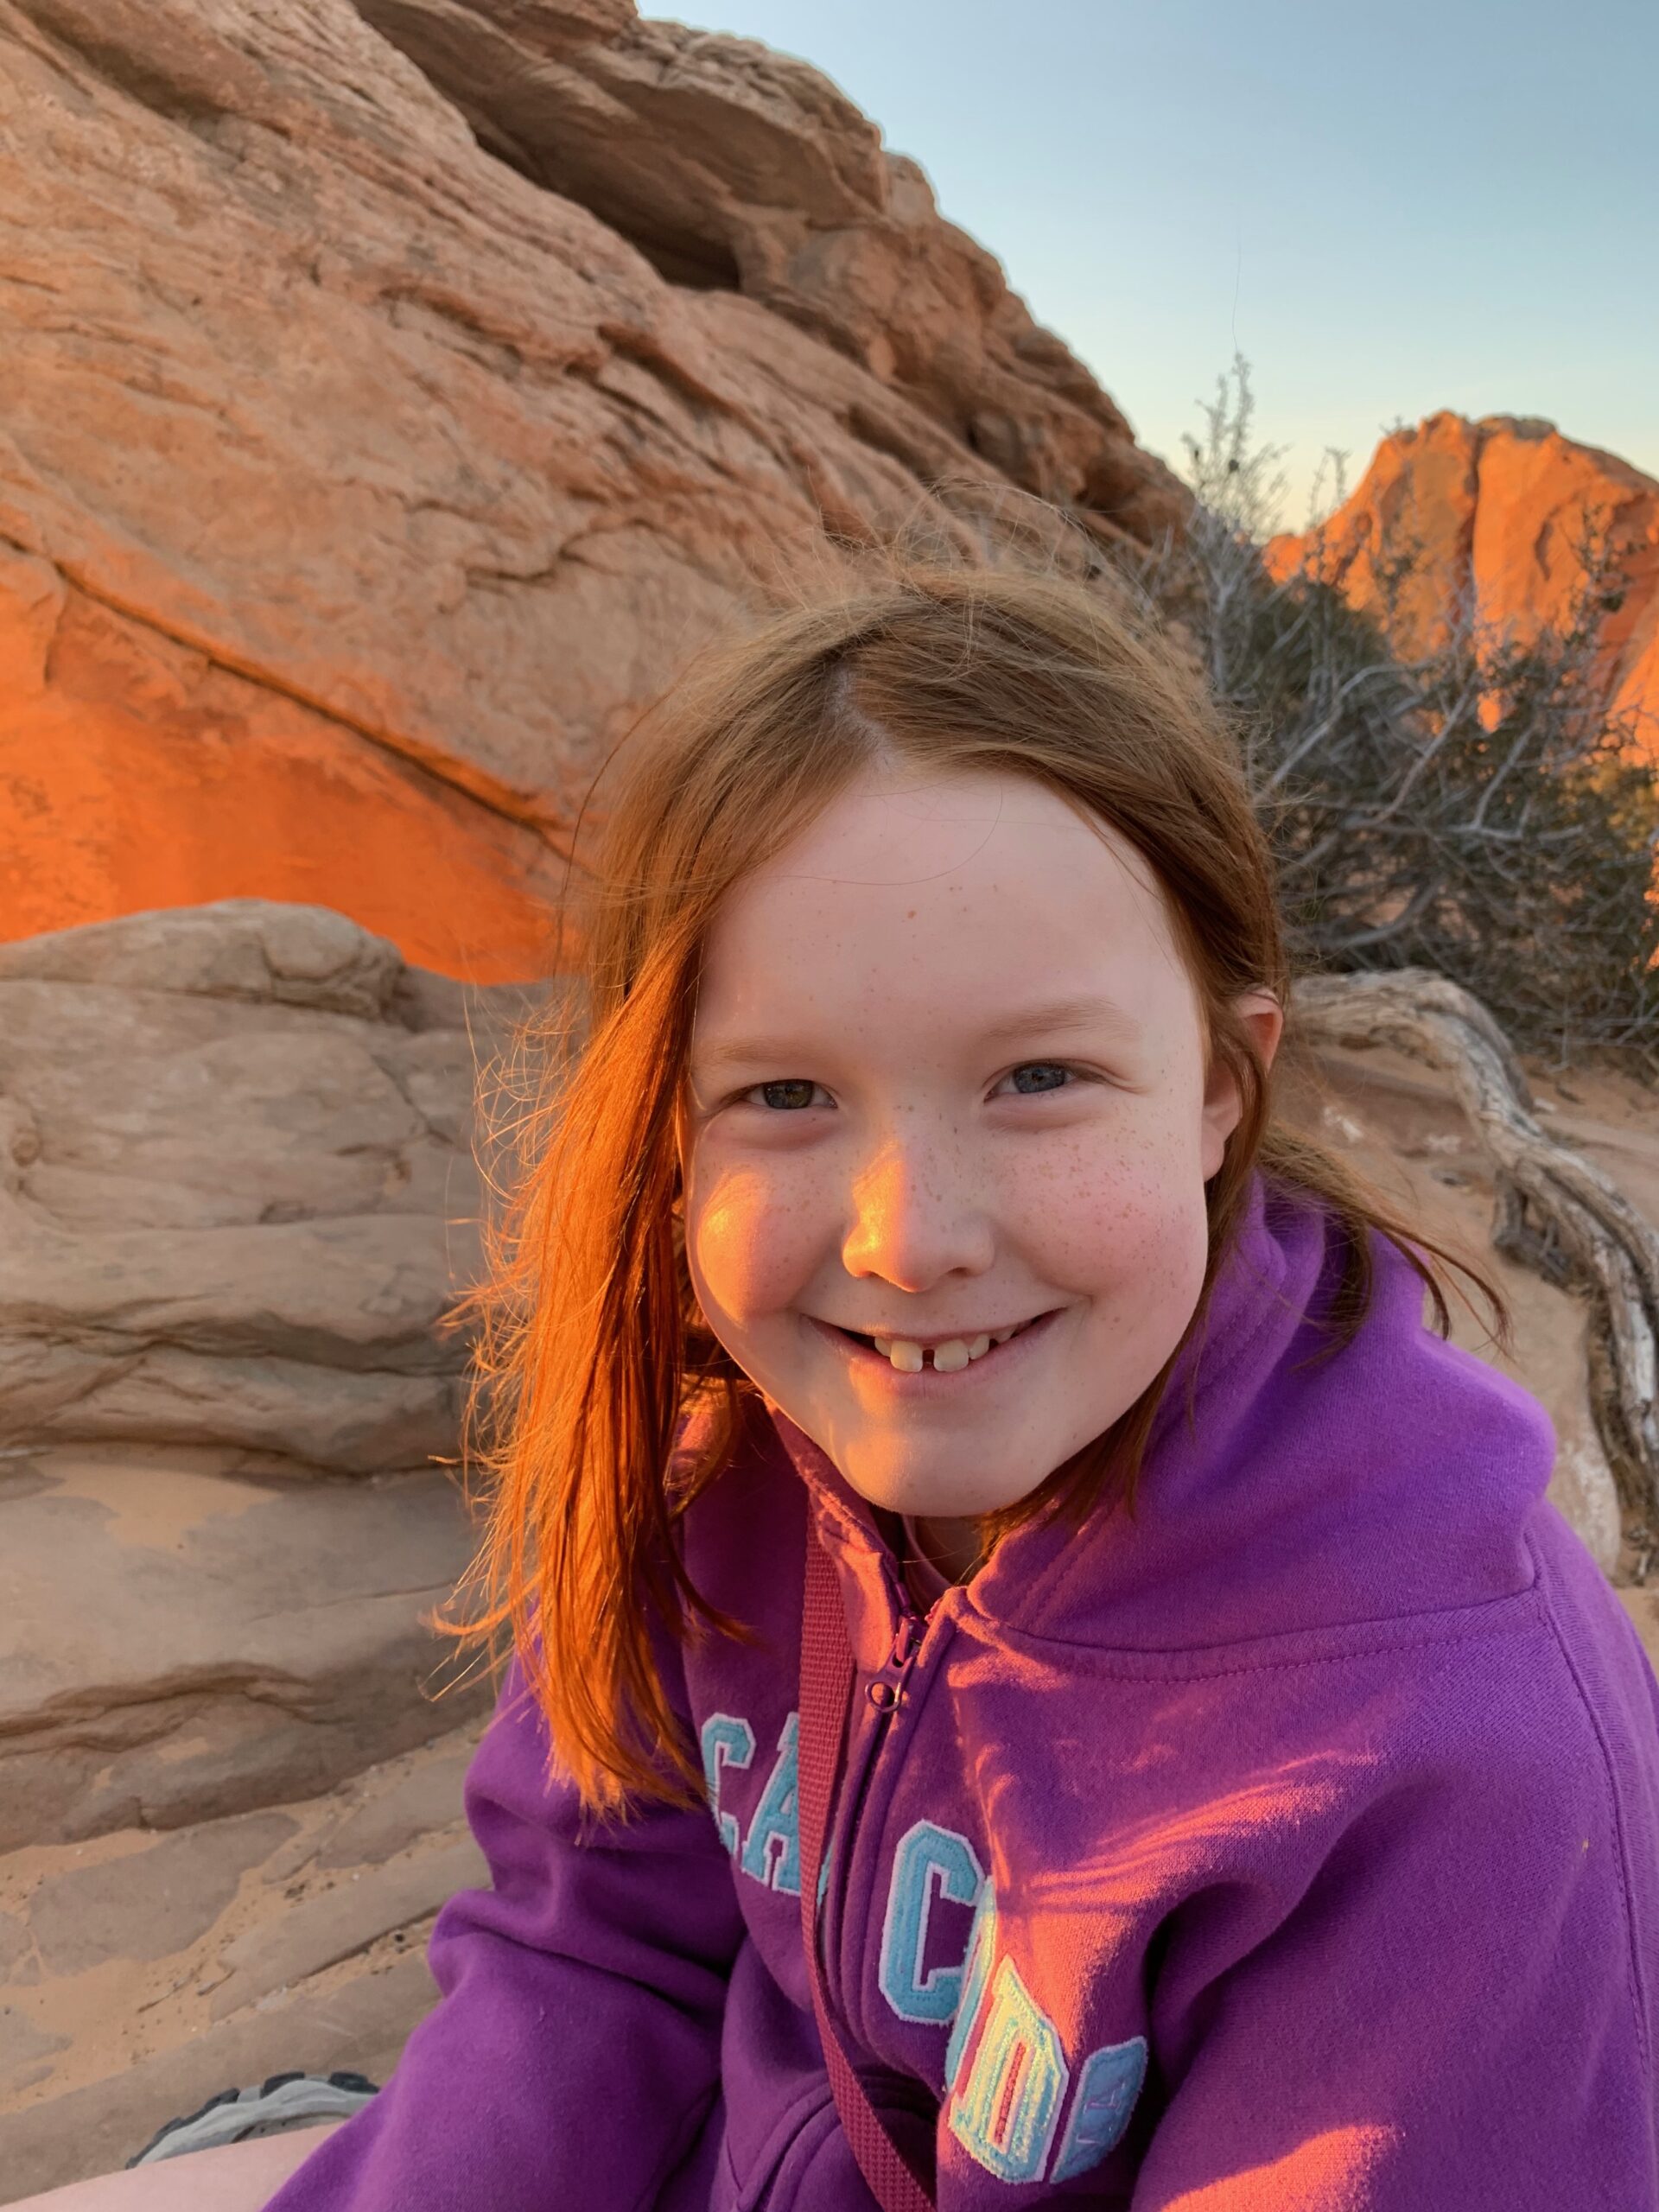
776	1820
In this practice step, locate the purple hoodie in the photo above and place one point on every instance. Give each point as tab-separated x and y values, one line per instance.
1295	1846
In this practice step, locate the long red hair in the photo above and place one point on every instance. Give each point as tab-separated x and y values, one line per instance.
590	1348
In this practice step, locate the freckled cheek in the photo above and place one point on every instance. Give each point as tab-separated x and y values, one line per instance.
1127	1216
755	1236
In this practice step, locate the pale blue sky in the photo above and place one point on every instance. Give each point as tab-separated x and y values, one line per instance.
1388	211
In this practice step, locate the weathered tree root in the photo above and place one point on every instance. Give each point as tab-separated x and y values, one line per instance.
1556	1213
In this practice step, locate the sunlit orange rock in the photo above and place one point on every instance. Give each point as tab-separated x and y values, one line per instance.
1495	514
137	773
358	489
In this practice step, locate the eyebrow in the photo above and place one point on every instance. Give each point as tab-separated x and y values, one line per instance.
1051	1018
1056	1016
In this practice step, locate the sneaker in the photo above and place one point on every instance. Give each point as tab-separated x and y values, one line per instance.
282	2101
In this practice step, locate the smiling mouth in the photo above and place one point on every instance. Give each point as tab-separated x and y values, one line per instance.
945	1356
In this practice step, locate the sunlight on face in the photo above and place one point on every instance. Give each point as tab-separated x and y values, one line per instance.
947	1081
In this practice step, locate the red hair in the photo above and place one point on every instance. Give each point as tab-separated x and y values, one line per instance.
590	1347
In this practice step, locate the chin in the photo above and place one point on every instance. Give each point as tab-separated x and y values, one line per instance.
930	1485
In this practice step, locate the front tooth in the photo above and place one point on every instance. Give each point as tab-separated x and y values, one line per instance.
951	1357
906	1356
884	1345
978	1346
1002	1336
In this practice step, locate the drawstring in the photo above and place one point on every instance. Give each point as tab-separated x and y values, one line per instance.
825	1692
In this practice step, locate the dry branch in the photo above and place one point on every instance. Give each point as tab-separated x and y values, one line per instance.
1556	1213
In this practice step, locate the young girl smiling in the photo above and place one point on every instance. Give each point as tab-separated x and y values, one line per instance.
970	1483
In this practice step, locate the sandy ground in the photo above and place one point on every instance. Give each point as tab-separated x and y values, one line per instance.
145	1970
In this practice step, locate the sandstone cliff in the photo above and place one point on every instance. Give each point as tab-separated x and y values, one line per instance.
394	398
1494	512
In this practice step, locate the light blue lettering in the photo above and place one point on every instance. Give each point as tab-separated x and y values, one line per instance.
777	1821
1005	2116
976	1972
727	1741
923	1852
1108	2082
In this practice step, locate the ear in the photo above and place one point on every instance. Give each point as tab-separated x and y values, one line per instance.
1261	1014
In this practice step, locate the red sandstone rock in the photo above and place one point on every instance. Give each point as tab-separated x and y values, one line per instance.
1495	511
356	491
737	169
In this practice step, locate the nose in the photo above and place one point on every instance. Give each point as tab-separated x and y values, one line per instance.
919	1215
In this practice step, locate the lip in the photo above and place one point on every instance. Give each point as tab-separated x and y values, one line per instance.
870	1366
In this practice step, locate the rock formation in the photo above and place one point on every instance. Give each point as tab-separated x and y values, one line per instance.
236	1188
733	168
237	1194
141	1974
1494	513
356	488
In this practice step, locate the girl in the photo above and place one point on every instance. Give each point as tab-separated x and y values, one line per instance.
1241	1789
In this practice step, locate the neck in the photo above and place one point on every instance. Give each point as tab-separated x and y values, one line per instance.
952	1546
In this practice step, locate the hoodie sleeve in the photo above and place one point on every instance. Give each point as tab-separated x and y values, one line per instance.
574	2054
1444	2010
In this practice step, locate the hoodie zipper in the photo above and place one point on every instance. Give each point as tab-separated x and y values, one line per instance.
886	1691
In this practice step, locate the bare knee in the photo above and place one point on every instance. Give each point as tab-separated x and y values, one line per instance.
239	2177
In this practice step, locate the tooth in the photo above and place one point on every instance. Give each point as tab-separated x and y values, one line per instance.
978	1346
884	1345
906	1356
1002	1336
951	1357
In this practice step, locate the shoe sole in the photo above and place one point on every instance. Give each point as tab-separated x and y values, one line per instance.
282	2102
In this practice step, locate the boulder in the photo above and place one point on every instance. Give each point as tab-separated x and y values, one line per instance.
1493	515
237	1201
181	1642
1400	1126
237	1194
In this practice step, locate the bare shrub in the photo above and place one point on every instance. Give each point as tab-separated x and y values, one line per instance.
1475	810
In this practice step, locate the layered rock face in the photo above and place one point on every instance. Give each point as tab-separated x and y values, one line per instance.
358	484
733	168
239	1197
1495	514
236	1188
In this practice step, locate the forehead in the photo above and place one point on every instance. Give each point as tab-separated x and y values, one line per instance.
965	887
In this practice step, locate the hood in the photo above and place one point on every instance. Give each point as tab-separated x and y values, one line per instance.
1395	1477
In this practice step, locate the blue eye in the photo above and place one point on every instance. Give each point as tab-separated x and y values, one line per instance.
786	1098
1039	1075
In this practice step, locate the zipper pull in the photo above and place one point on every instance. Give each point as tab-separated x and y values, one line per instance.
882	1693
